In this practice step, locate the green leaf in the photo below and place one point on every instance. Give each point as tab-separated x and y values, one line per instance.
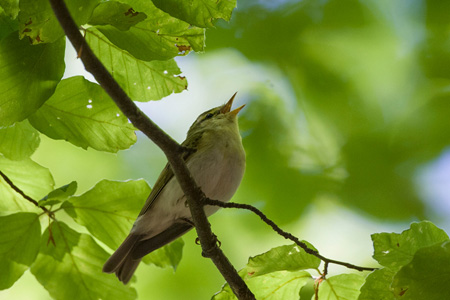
120	15
38	22
141	80
18	141
11	7
147	43
272	286
28	76
72	266
394	250
378	286
82	113
276	285
33	179
279	285
60	194
344	286
20	236
168	256
7	25
426	276
283	258
225	294
200	13
109	209
160	37
168	27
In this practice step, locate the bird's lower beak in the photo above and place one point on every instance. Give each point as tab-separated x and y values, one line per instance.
237	110
227	107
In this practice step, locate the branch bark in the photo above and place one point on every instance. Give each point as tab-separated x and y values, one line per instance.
286	235
171	149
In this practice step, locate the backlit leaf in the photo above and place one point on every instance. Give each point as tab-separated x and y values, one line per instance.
28	76
109	209
38	22
141	80
200	13
20	235
73	266
33	179
394	250
18	141
283	258
82	113
426	276
344	286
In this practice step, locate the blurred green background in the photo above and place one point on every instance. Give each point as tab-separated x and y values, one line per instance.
346	129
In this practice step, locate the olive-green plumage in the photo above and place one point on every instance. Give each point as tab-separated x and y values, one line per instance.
216	159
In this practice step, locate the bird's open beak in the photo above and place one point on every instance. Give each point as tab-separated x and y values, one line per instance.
237	110
227	107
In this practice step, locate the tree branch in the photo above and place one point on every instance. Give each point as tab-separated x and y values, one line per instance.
20	192
285	234
171	149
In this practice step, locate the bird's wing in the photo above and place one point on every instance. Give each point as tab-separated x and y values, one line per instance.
167	173
161	182
144	247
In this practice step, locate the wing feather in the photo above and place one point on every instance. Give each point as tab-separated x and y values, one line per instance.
167	173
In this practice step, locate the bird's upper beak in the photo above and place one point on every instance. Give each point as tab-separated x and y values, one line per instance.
227	107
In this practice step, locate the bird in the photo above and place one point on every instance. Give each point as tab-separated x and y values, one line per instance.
215	158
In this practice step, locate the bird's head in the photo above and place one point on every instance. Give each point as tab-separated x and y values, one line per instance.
216	118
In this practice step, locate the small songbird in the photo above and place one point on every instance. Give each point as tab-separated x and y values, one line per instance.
216	159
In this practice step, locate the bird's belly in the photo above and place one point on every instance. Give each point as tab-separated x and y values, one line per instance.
218	175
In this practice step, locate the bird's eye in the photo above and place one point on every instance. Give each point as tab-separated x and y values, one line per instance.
209	116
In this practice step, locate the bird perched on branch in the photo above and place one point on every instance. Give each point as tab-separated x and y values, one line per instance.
216	160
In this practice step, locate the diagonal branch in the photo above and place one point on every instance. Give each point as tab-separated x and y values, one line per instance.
171	149
285	234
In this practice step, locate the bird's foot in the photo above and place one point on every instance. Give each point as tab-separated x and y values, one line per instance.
217	242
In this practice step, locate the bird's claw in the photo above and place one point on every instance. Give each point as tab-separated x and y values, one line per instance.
218	243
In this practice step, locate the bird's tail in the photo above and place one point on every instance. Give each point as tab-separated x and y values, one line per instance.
127	257
121	262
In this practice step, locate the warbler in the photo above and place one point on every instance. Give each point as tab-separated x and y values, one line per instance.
216	159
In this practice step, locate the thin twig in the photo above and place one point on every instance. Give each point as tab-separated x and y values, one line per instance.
25	196
325	269
285	234
171	149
